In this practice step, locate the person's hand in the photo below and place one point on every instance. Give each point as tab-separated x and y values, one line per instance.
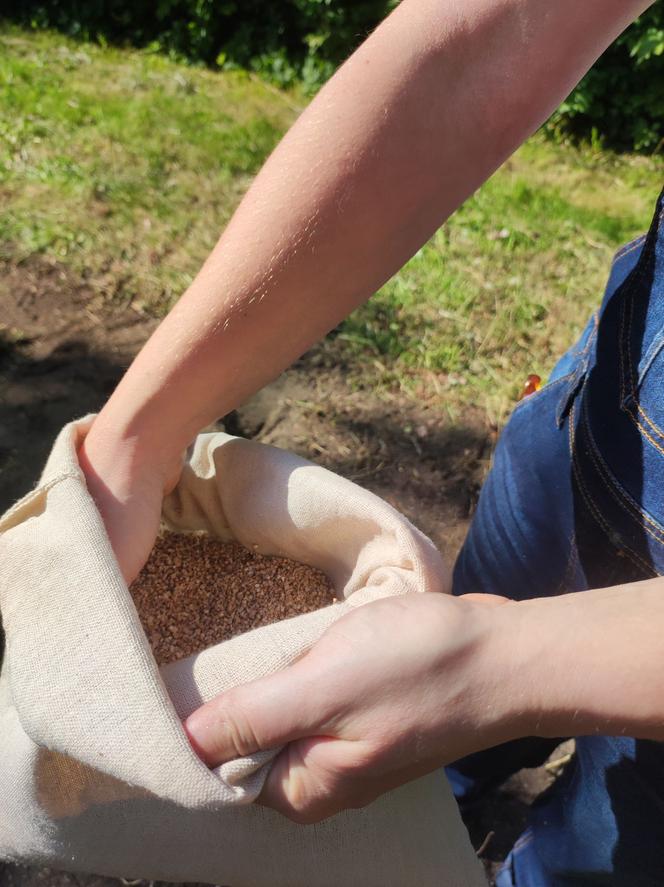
128	480
391	691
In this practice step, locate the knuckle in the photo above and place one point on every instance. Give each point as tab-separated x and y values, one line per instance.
312	797
301	808
235	721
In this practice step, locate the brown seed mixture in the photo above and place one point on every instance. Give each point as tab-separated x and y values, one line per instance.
196	591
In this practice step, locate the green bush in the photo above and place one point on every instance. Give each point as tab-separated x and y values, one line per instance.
301	40
620	102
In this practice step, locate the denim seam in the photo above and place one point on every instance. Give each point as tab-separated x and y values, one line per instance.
650	422
591	336
592	507
568	376
615	488
628	338
624	343
579	372
645	433
621	356
640	409
629	248
628	376
629	292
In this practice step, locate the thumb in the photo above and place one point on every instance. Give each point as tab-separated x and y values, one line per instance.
263	714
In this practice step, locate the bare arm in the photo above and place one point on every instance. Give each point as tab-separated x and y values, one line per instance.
423	112
462	674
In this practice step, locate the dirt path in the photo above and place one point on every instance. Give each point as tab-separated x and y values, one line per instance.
63	350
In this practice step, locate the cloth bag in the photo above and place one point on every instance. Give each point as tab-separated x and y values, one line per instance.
96	773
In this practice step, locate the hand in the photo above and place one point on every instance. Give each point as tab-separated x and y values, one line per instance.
393	690
128	481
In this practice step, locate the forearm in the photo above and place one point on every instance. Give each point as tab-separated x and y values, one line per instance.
406	684
407	129
591	662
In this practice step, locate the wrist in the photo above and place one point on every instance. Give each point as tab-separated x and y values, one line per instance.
592	662
123	449
483	699
510	665
127	481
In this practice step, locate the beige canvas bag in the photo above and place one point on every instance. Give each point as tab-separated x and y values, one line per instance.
96	773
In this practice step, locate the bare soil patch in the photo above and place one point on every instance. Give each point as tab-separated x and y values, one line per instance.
63	349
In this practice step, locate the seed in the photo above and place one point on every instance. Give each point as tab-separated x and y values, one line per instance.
195	591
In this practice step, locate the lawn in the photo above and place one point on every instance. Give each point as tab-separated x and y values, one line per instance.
124	166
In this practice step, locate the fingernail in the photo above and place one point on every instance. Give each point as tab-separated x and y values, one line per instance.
195	728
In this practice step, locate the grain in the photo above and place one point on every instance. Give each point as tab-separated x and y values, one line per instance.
196	591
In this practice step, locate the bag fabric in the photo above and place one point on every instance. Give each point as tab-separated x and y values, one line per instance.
96	772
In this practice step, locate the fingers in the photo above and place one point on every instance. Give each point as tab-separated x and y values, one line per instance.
264	714
315	778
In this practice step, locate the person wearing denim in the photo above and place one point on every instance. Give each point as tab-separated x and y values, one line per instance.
575	501
426	109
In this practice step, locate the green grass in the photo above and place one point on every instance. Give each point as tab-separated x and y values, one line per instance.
125	166
508	283
122	164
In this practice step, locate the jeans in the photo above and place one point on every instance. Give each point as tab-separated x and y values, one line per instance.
575	500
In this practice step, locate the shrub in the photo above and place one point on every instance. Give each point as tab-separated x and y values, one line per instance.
286	41
619	104
620	101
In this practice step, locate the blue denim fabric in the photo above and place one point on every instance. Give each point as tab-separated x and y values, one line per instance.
575	500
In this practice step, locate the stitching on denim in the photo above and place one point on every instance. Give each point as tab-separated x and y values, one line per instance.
640	267
631	246
644	431
621	349
624	345
616	489
623	405
568	376
640	409
628	345
580	372
592	335
628	248
573	373
590	504
612	483
656	429
633	381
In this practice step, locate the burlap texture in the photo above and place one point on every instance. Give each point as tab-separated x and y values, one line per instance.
96	773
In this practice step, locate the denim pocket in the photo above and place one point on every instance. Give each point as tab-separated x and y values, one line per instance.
582	354
642	340
646	361
618	431
567	376
643	396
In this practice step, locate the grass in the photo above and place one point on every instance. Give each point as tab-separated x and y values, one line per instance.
506	286
125	166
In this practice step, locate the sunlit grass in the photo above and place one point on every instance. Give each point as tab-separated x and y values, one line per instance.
125	166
